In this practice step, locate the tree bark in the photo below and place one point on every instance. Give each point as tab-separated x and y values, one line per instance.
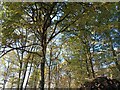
42	82
28	75
91	64
24	73
87	68
49	79
19	76
56	80
42	74
20	57
57	76
49	73
5	79
69	84
35	79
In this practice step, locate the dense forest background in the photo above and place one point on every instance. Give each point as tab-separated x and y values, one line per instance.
58	45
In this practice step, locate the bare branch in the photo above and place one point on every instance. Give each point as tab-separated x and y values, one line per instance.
62	30
18	48
52	35
45	25
6	52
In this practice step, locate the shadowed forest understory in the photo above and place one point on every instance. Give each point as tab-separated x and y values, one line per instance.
60	45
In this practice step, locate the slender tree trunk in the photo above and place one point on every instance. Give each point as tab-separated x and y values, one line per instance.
29	72
49	79
87	68
4	84
5	79
69	86
24	74
19	76
57	76
56	83
28	75
42	74
34	85
91	64
49	73
20	71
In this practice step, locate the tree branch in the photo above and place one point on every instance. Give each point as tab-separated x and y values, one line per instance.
62	30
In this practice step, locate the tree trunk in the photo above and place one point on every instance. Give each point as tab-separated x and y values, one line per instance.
20	71
49	73
91	64
5	79
49	79
24	74
69	86
56	82
58	74
57	77
42	82
87	68
89	57
44	46
19	76
28	76
4	84
42	74
29	73
35	79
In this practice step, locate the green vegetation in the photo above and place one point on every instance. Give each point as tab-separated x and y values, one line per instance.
58	45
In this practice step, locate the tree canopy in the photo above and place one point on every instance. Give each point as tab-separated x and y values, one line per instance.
58	44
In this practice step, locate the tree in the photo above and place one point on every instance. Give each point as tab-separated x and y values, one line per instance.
35	31
41	19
